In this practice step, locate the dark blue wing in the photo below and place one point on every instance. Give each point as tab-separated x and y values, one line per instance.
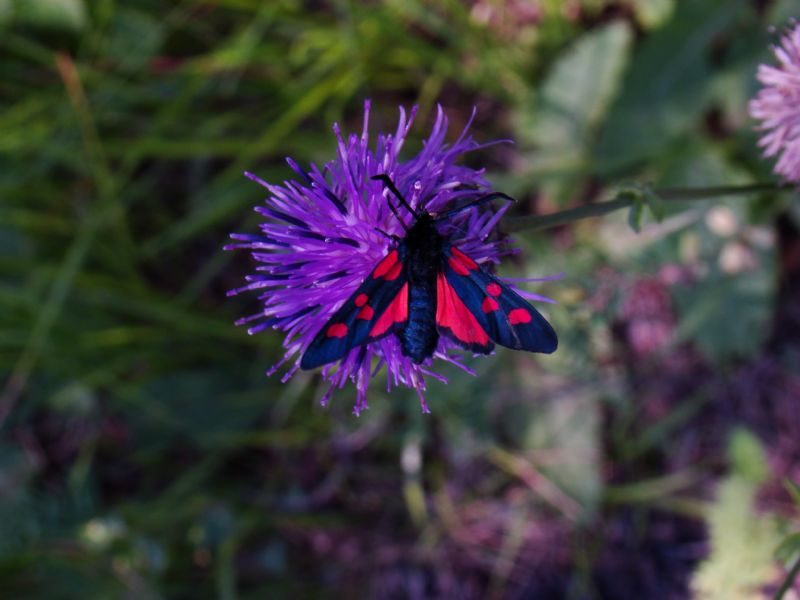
504	316
378	307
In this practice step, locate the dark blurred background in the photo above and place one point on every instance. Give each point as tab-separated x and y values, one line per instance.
144	453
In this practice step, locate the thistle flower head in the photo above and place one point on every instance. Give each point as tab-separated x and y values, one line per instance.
777	106
325	232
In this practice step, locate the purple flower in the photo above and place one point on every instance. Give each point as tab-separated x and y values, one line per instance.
777	106
321	239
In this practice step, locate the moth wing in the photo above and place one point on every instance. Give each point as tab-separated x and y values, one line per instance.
378	307
456	320
496	312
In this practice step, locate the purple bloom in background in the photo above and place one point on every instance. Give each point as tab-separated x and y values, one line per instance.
321	240
777	106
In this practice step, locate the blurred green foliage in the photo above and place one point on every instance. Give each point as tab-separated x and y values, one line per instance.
742	541
144	454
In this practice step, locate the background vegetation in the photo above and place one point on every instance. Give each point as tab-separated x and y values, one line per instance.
144	454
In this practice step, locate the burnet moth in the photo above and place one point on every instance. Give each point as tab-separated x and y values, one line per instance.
426	287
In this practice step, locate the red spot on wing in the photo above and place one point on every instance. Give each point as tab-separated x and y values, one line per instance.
519	315
396	312
361	300
489	304
394	272
365	313
461	263
465	260
457	266
455	316
338	330
494	289
386	265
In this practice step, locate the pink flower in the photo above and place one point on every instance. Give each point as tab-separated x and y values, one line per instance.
777	106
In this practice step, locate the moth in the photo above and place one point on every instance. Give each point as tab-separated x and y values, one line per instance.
425	287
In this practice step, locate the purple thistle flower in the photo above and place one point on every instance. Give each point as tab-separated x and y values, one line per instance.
777	106
321	240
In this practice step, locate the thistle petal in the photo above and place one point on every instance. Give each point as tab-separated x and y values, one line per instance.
777	106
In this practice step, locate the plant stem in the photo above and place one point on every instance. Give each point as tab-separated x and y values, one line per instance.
627	199
790	577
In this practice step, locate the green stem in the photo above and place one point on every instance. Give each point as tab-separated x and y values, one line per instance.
626	200
790	577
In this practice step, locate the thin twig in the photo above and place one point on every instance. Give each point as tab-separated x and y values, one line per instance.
626	200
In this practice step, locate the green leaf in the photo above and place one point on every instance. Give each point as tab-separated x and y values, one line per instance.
709	308
635	214
742	545
5	12
654	203
739	535
642	196
789	548
794	491
577	93
68	15
135	37
575	96
653	13
665	91
747	456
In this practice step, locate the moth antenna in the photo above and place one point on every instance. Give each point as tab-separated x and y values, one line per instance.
383	177
474	203
397	215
